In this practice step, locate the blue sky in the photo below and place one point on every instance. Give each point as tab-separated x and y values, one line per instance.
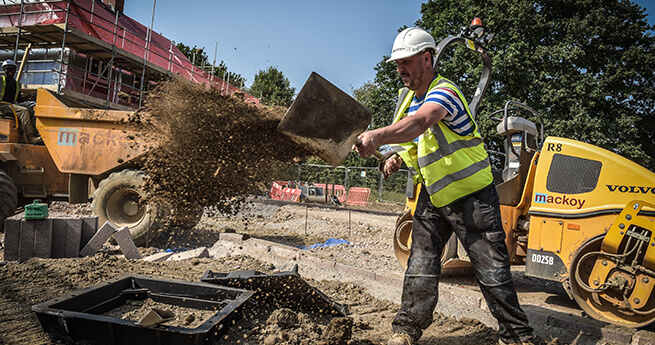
342	40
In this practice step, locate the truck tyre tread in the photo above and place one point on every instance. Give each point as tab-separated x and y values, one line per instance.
8	198
128	184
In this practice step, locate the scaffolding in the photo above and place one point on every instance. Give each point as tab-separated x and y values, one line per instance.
86	50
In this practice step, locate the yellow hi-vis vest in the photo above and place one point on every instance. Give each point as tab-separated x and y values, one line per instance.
449	165
4	87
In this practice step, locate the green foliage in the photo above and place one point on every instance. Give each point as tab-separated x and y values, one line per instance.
322	174
380	97
199	58
586	66
353	160
196	55
230	77
272	88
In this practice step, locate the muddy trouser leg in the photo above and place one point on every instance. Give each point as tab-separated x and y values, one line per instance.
477	222
29	105
24	116
420	288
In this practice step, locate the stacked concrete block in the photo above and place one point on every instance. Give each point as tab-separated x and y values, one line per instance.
26	241
124	240
53	237
42	245
66	237
122	236
12	237
99	238
89	228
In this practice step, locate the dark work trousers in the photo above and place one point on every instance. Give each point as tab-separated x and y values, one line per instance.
476	221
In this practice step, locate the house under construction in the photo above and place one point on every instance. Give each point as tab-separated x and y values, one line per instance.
88	50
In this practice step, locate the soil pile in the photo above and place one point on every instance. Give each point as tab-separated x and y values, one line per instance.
215	149
38	280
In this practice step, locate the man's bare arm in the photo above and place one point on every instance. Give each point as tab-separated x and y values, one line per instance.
407	129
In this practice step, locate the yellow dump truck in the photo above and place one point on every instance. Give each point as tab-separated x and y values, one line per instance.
85	150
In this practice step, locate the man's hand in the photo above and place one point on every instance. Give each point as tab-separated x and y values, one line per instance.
391	166
366	144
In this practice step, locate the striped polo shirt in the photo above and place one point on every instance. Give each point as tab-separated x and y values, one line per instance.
456	120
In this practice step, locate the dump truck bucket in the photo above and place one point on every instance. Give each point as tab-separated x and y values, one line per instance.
84	140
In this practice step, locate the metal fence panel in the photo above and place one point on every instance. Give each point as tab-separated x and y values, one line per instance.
390	190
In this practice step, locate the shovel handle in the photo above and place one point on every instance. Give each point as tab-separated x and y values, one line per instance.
382	160
379	156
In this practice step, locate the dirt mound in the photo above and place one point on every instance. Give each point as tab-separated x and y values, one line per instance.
37	280
215	148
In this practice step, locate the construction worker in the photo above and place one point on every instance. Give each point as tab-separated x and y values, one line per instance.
433	131
10	93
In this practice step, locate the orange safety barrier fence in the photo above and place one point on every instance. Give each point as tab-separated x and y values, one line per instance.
276	191
358	196
290	194
279	191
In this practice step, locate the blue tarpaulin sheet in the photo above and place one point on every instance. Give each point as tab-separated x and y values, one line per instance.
329	243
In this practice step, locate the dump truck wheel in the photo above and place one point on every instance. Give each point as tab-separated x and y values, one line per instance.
8	198
605	304
120	200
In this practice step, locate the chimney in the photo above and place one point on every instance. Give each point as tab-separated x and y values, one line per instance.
116	5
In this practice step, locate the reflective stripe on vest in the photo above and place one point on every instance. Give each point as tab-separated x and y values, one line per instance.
4	87
408	150
448	176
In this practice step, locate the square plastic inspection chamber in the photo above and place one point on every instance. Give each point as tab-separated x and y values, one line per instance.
76	318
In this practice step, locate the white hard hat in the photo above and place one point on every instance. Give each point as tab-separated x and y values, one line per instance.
411	41
9	63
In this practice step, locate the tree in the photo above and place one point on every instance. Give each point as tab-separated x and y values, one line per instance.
585	66
376	98
222	72
198	57
380	97
272	88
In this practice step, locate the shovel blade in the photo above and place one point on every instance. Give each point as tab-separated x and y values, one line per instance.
155	316
325	120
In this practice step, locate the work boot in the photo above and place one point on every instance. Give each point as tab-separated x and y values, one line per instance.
400	339
36	141
534	341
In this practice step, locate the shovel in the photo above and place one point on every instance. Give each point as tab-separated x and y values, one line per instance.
326	121
156	316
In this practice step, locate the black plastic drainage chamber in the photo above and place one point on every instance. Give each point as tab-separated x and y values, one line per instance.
76	318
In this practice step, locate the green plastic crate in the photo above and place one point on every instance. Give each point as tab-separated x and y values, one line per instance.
36	210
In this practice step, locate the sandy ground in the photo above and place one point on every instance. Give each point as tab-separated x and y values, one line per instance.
369	236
